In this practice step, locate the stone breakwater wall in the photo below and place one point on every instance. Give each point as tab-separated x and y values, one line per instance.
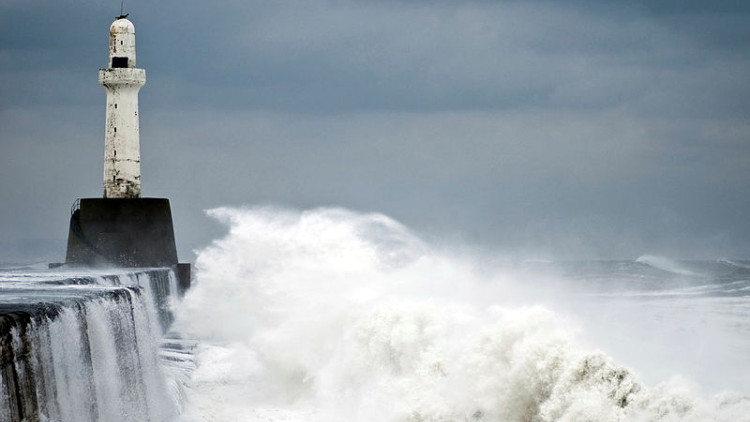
84	347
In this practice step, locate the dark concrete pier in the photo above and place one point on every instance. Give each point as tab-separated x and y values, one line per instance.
124	232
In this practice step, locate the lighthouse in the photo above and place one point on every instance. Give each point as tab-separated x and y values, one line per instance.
123	229
122	80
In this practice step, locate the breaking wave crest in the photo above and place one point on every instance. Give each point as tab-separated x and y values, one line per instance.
332	315
665	264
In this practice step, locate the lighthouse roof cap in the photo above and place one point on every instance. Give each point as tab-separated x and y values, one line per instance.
122	26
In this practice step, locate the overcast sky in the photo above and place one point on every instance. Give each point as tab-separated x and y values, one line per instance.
569	128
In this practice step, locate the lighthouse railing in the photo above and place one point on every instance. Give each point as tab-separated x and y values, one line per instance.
76	206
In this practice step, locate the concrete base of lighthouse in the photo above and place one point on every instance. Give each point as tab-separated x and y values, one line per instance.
133	232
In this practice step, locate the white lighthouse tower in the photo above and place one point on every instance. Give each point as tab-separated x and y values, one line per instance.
122	80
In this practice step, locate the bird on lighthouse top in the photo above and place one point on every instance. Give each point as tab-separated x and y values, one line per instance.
122	25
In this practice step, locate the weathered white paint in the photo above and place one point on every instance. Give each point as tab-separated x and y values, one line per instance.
122	157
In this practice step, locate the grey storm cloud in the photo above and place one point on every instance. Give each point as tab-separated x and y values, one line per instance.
569	128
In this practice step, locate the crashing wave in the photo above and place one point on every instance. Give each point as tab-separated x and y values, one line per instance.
332	315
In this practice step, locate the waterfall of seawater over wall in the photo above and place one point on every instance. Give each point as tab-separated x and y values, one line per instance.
84	348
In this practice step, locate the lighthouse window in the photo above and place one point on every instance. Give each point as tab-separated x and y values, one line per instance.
119	62
115	129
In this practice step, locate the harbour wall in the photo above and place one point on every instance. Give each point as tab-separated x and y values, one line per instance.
84	347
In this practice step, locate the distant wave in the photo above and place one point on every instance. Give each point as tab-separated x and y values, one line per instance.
733	263
712	289
666	264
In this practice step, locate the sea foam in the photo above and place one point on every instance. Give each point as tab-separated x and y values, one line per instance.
332	315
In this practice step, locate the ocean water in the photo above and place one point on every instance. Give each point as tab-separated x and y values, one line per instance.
333	315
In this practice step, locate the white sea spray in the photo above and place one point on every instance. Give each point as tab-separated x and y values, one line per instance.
332	315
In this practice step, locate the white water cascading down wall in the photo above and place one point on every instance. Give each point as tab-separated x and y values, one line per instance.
82	348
